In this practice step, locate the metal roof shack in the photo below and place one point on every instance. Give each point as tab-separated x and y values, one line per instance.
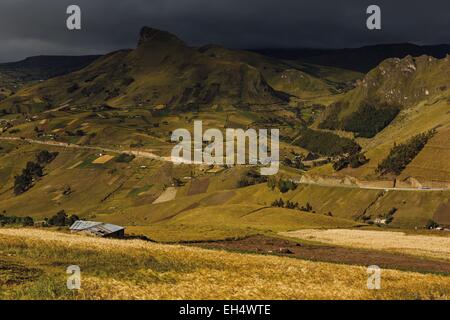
99	229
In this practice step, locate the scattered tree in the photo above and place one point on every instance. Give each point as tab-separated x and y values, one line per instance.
326	143
33	171
402	155
354	161
13	220
286	185
61	219
251	178
46	157
307	208
24	182
125	158
431	224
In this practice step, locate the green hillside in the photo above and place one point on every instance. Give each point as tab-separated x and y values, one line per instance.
394	85
297	80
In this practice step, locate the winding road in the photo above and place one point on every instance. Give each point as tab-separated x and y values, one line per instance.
137	153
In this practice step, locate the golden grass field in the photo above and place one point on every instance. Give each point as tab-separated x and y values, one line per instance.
421	245
35	261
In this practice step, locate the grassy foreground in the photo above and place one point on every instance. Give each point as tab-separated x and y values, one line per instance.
33	266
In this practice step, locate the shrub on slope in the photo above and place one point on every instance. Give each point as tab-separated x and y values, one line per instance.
401	155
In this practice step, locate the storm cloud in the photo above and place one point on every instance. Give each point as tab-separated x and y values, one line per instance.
30	27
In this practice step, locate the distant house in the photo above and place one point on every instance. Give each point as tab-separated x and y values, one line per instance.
380	221
99	229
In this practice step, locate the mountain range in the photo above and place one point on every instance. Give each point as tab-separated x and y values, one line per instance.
361	59
375	116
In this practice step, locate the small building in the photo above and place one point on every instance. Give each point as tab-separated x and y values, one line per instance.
98	229
380	221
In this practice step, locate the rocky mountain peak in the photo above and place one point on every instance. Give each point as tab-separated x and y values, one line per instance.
149	35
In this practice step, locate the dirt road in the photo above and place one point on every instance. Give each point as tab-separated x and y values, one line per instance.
137	153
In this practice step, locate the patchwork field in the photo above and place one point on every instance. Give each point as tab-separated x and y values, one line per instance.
168	195
103	159
210	206
198	186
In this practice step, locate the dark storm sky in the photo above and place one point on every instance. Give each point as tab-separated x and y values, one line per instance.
34	27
